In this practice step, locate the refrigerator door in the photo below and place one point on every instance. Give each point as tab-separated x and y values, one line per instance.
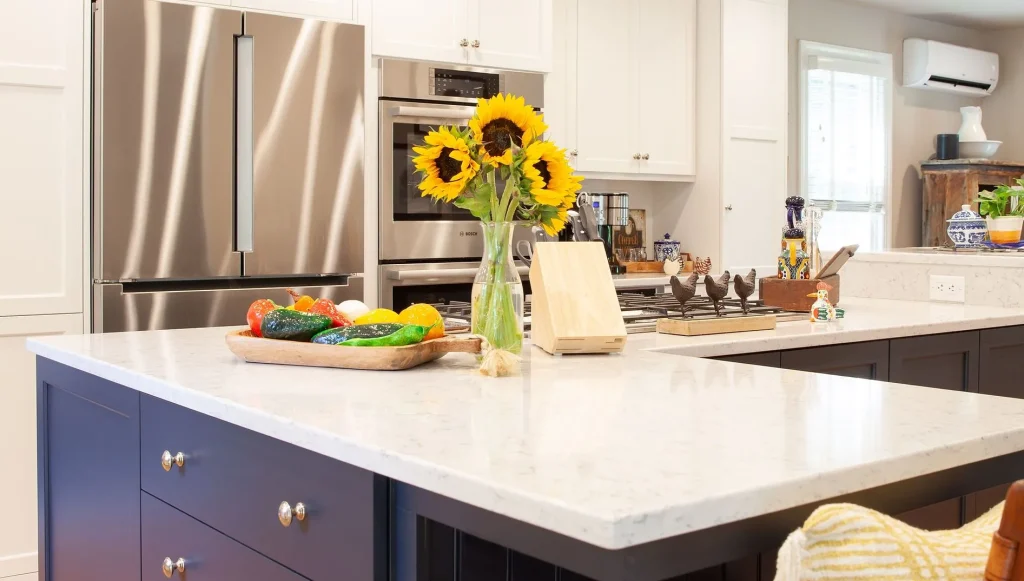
163	107
118	308
308	146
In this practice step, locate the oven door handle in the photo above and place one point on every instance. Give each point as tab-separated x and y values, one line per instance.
445	275
462	114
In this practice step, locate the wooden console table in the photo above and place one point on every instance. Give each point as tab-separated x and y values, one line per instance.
953	183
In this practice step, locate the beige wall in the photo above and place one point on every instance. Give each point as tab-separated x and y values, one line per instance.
917	115
1004	110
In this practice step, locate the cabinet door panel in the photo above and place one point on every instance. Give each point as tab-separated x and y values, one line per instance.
420	30
337	10
1002	351
666	51
766	359
863	360
940	516
209	555
89	473
947	361
18	535
606	86
512	35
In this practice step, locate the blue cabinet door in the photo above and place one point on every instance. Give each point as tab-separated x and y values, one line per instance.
89	490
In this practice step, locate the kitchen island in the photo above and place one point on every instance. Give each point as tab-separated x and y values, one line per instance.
641	466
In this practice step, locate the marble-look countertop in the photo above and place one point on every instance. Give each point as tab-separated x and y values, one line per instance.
946	257
866	320
613	450
639	280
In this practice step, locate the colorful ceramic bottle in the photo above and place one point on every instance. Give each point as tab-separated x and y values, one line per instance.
794	262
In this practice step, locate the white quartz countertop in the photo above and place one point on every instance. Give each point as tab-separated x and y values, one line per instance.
613	450
944	257
866	320
640	280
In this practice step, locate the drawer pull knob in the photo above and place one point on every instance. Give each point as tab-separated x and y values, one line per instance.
285	512
167	460
170	566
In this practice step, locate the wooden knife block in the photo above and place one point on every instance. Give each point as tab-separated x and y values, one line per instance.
575	309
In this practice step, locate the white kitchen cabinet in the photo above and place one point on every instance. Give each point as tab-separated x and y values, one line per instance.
633	88
18	530
335	10
755	62
42	156
484	33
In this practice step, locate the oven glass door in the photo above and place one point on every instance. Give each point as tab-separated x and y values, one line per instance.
402	285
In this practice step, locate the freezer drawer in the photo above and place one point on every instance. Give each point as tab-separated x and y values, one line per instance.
118	310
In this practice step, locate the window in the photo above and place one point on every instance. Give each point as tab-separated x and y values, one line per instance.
845	142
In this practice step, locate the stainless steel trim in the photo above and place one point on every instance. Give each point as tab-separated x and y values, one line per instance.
414	80
392	276
455	274
460	114
245	214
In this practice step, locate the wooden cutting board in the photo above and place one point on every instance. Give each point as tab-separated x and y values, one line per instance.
261	350
717	325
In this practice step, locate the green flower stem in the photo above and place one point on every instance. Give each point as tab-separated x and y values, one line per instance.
494	310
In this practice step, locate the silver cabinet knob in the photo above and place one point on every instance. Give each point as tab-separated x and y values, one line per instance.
170	566
645	156
574	153
636	156
729	207
476	44
167	460
464	42
285	512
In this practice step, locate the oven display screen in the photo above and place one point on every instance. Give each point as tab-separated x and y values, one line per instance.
475	85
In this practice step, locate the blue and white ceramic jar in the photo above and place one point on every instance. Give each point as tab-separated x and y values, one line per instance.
966	228
666	249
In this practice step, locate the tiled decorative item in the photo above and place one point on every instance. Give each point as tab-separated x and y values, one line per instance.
666	249
966	228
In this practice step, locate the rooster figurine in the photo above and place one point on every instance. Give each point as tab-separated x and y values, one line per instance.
822	310
744	287
717	290
684	291
702	265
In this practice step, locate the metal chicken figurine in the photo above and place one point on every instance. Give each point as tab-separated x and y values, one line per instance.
744	287
717	290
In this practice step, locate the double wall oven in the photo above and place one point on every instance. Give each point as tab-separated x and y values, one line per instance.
429	251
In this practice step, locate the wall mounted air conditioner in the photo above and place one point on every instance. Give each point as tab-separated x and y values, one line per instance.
938	66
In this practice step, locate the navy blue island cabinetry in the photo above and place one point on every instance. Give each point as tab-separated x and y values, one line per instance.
135	487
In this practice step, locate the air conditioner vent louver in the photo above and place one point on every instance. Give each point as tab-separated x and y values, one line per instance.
960	82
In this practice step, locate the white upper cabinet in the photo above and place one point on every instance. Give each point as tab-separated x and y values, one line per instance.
666	64
42	157
633	87
336	10
484	33
606	88
511	35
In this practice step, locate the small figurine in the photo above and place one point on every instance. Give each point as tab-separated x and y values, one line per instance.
822	310
744	287
684	291
717	290
794	263
702	266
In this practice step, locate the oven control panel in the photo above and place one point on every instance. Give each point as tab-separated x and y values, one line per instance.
466	84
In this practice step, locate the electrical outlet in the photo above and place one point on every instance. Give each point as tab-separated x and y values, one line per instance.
949	289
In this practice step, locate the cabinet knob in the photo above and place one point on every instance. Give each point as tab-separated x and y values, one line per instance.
729	207
476	44
170	566
464	42
645	156
285	512
636	156
167	460
574	153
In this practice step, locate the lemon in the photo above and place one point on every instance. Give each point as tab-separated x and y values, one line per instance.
377	316
425	315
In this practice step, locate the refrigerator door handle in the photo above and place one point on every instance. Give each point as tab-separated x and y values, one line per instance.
244	104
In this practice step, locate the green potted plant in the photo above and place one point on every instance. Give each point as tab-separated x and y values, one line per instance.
1003	209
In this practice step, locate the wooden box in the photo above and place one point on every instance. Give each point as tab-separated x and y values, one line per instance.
575	309
792	295
950	184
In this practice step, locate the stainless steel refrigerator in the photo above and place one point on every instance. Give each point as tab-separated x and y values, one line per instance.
228	163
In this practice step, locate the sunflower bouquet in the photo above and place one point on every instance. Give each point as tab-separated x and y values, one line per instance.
504	173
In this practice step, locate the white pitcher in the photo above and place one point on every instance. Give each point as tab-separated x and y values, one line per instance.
970	129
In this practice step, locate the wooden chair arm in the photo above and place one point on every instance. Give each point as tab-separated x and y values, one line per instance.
1003	561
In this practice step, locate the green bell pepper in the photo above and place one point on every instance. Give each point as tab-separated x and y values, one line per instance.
407	335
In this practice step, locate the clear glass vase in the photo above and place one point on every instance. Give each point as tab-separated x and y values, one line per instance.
498	291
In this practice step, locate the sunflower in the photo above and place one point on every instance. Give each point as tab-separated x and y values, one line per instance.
446	164
550	179
501	122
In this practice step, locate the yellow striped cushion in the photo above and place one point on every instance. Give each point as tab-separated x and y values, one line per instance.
845	541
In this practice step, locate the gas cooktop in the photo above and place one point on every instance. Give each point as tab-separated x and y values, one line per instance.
641	313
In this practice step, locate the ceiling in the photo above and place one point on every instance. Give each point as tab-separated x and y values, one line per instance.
986	14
